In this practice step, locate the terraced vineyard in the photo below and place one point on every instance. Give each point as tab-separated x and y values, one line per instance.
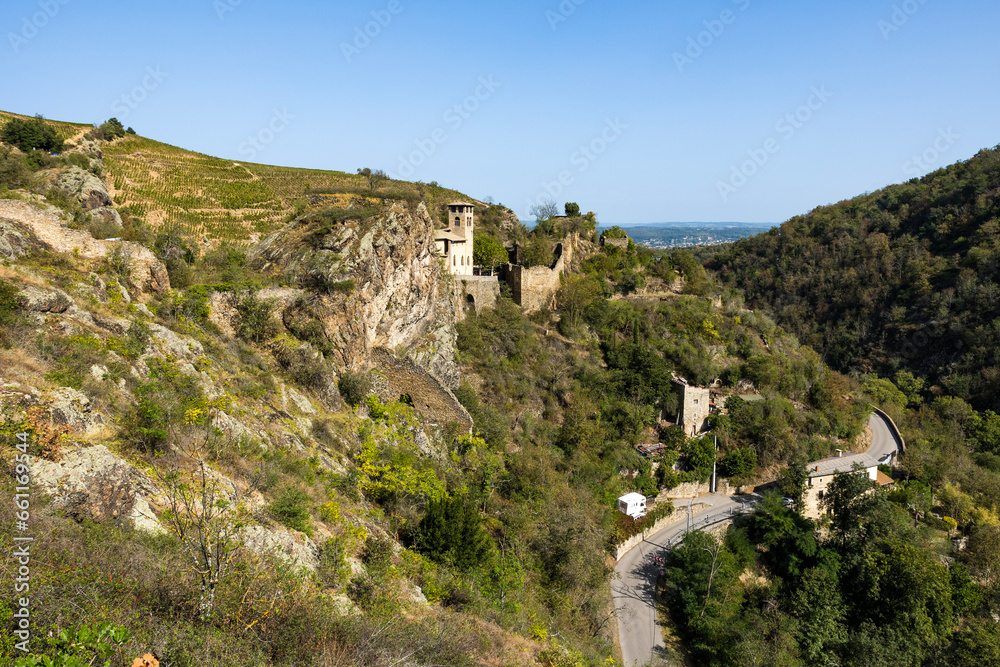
226	200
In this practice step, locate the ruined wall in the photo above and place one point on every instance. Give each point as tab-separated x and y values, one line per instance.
436	405
477	293
535	288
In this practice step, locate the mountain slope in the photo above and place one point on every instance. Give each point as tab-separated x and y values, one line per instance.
226	200
903	278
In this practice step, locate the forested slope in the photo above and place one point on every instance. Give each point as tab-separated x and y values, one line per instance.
903	278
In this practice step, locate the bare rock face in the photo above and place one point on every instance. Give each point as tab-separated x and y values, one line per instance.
23	225
44	300
94	483
86	187
69	407
374	282
106	214
295	548
16	240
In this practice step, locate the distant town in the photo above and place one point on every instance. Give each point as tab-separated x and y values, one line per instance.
687	234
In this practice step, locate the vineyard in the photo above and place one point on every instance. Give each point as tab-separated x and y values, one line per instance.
226	200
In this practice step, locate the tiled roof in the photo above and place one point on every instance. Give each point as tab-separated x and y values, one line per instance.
834	465
883	479
447	234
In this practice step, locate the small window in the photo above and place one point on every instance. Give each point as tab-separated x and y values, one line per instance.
454	261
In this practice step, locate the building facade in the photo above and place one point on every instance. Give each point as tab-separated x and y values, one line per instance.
455	242
696	403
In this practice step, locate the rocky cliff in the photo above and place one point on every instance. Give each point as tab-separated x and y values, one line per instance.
370	276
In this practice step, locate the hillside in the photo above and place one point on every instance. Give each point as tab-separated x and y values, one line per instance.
225	200
905	278
304	449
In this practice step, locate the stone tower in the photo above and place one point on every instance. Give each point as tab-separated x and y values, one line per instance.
456	240
694	408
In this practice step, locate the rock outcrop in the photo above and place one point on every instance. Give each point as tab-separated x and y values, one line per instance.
93	483
86	187
372	282
24	226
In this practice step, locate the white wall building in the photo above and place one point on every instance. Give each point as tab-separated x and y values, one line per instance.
455	242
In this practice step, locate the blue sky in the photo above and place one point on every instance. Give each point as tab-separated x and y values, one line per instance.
719	110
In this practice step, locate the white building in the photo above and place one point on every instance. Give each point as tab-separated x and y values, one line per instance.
633	505
821	473
455	242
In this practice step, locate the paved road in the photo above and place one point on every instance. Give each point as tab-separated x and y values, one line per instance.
634	586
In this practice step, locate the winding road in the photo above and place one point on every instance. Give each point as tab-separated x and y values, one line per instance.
634	585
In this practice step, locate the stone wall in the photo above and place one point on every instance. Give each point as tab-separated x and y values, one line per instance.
636	540
477	293
695	489
432	401
535	288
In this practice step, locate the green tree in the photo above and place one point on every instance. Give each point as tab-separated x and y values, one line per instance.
820	610
977	644
884	392
911	386
451	533
984	431
253	321
792	480
614	232
982	552
537	252
488	252
859	507
32	134
375	178
572	209
740	463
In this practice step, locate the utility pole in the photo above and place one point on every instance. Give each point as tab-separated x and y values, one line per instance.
715	484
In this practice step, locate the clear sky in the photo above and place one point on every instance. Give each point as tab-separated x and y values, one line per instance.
643	111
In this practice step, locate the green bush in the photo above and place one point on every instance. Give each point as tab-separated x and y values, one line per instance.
30	135
14	171
354	387
377	555
291	509
11	317
253	318
333	570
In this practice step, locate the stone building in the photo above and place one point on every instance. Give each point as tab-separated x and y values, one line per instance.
695	406
455	241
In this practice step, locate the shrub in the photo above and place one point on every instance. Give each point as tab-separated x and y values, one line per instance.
11	318
253	318
120	261
354	387
333	568
292	509
377	555
14	172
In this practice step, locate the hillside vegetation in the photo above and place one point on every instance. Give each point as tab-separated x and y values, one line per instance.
240	412
905	278
225	200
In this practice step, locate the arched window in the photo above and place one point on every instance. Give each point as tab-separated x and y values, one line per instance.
454	261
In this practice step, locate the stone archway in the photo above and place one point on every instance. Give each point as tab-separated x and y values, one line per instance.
470	304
